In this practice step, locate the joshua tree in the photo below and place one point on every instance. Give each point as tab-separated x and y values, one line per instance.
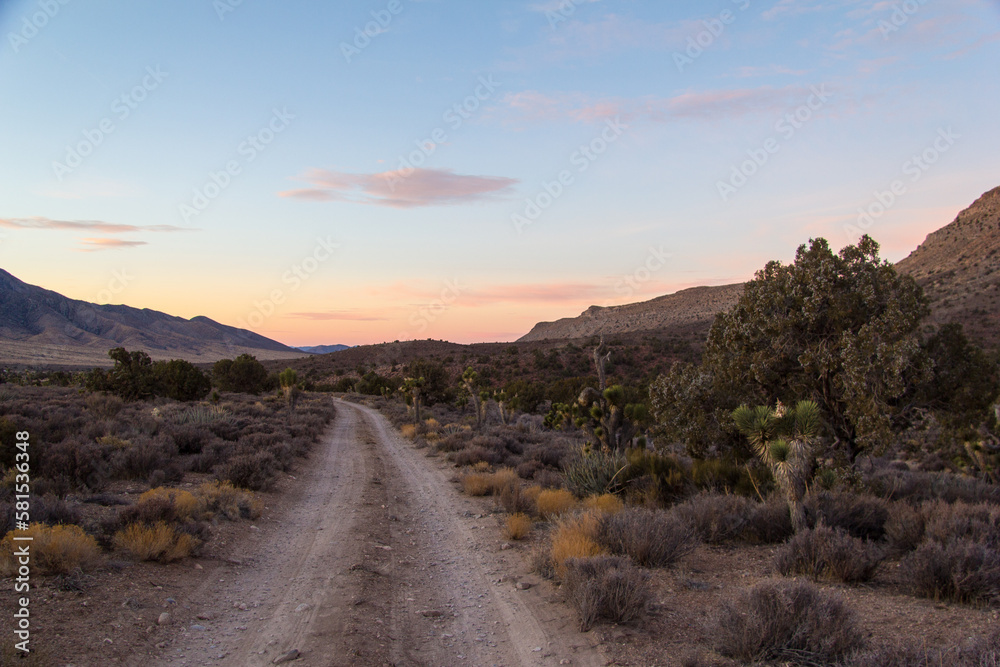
289	381
415	387
470	379
783	440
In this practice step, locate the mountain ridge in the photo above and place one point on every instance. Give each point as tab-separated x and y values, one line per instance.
40	326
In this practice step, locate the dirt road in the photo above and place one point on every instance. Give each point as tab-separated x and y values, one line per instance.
375	559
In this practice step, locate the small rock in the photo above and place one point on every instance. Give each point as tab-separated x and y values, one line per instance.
523	585
198	628
198	566
205	616
565	661
107	640
171	601
287	657
431	613
505	546
163	619
242	606
301	608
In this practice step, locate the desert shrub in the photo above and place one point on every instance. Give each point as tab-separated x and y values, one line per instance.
717	518
975	652
243	374
513	499
829	553
862	516
594	472
552	503
104	406
161	542
51	510
408	431
655	477
947	522
653	538
184	504
517	526
473	455
504	478
54	550
604	504
216	452
476	484
962	571
916	486
904	529
223	498
769	522
607	587
254	471
144	457
574	537
527	469
785	621
78	462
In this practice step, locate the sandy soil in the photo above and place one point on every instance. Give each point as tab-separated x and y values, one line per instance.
375	559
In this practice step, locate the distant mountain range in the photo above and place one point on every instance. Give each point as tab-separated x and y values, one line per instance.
323	349
958	267
39	326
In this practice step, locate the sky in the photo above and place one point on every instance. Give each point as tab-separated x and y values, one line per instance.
369	171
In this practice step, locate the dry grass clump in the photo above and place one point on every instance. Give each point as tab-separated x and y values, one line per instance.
223	498
653	538
504	478
477	484
54	550
778	621
517	526
947	522
962	571
574	537
159	542
904	529
607	587
829	553
552	503
861	515
408	431
606	503
184	503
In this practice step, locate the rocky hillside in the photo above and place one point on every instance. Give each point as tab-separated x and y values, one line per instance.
688	310
959	268
39	326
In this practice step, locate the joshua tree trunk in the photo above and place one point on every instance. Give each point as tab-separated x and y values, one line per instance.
601	355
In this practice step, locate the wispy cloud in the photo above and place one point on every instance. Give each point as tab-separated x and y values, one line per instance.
398	189
338	315
96	244
77	225
707	105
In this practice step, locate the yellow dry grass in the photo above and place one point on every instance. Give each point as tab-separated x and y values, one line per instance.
517	526
477	484
574	537
605	504
54	549
185	504
160	542
408	430
552	503
222	497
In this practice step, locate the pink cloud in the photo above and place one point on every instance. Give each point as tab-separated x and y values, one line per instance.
95	244
338	315
711	104
400	189
95	225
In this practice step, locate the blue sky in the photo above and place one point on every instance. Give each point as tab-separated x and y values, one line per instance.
369	171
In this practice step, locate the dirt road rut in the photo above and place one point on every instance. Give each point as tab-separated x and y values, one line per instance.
375	559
